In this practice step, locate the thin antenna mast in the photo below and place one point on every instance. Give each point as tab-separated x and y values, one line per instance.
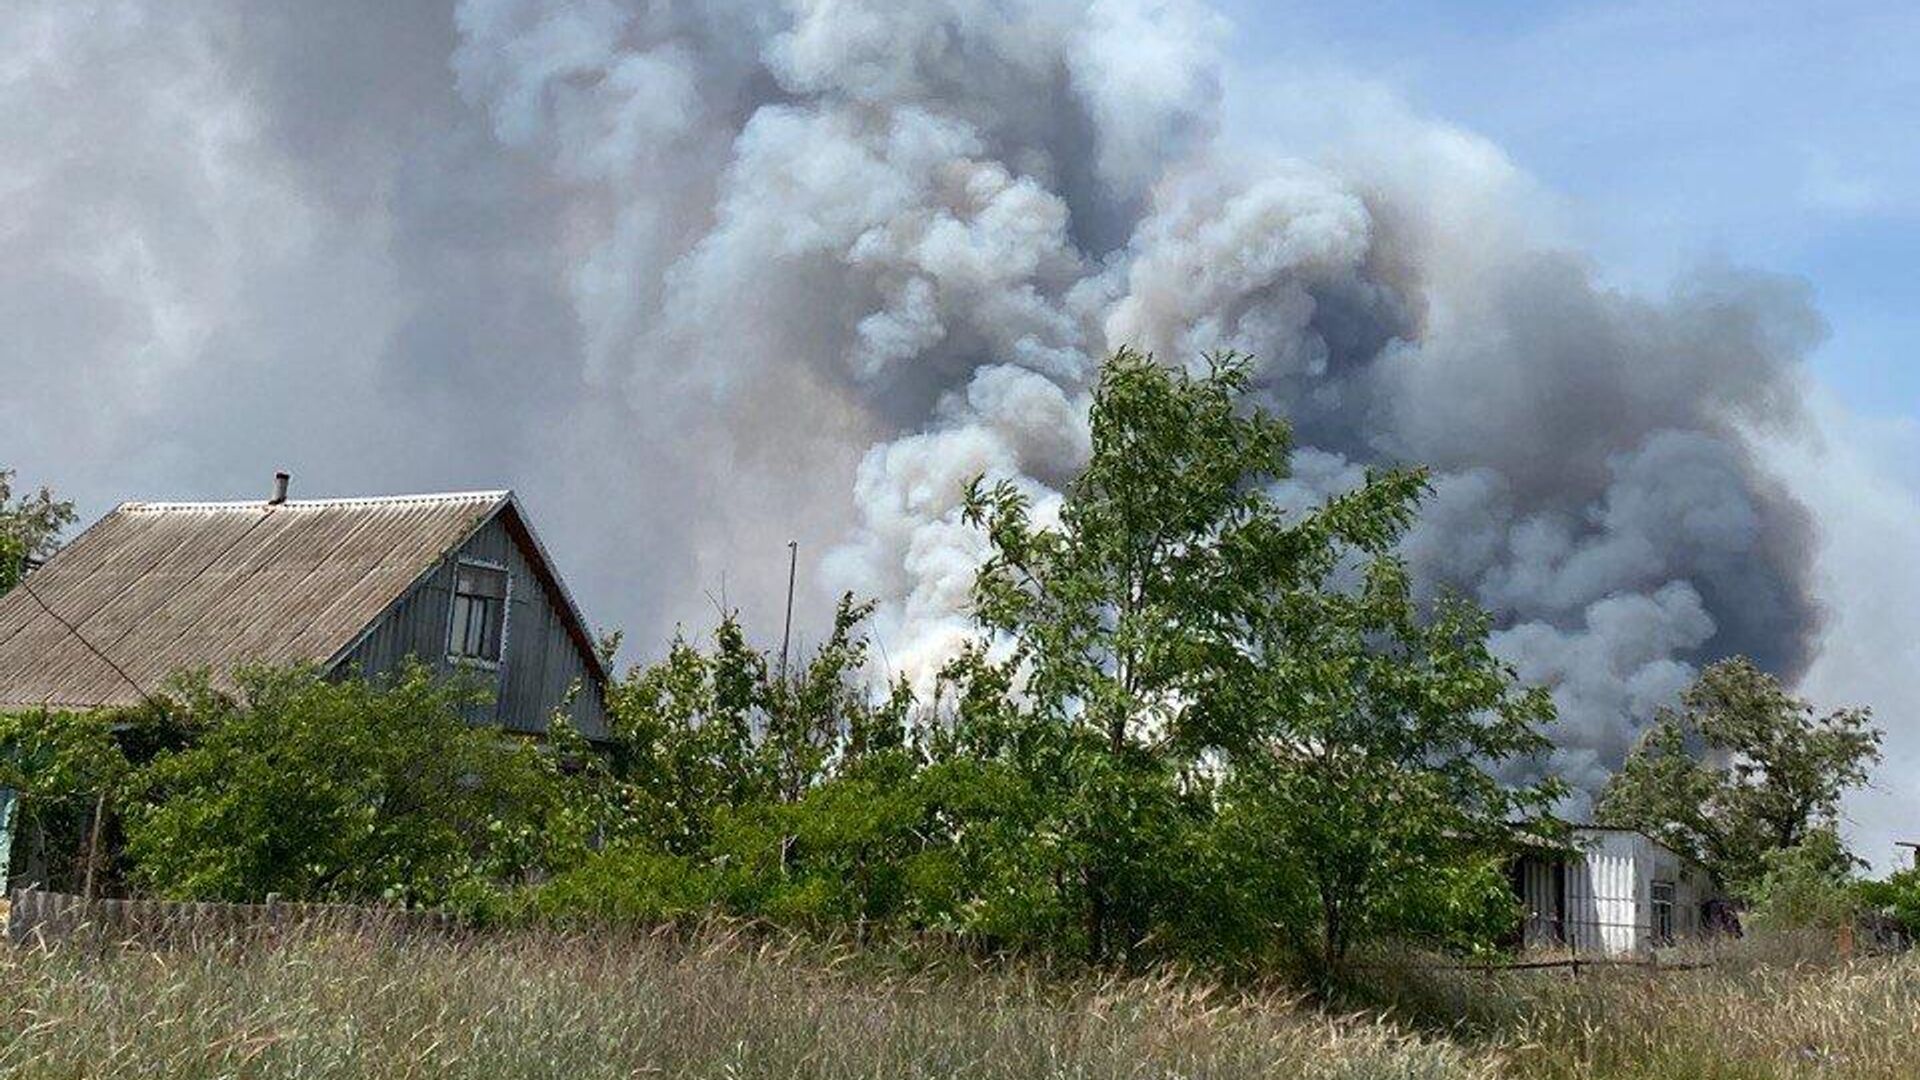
786	635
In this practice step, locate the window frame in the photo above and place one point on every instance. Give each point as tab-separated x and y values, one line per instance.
456	631
1661	910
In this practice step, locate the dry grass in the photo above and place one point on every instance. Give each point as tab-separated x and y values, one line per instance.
1858	1021
1765	1010
534	1006
527	1005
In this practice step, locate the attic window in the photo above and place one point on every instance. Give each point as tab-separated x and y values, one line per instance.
479	613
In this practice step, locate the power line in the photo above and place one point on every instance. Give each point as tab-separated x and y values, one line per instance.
82	639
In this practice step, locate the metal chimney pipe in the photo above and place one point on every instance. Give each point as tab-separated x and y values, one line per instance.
280	480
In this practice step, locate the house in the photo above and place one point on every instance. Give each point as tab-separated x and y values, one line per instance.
355	585
1621	893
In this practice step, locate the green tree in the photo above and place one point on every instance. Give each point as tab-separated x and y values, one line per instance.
30	527
1739	770
1183	644
702	731
1366	806
347	790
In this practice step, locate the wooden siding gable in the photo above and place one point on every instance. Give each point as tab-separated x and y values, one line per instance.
546	651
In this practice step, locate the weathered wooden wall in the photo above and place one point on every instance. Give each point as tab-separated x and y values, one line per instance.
539	664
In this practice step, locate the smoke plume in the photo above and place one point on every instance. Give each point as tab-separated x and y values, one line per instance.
700	277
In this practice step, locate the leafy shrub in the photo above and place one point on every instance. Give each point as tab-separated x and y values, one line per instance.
1808	886
64	768
317	789
1897	896
629	885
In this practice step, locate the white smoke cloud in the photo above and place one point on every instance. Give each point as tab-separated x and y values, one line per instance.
704	277
1861	481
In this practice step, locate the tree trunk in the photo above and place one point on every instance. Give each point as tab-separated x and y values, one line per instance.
1333	944
1096	917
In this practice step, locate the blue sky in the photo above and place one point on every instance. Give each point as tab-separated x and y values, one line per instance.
1780	136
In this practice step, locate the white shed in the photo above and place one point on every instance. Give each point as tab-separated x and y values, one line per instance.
1624	894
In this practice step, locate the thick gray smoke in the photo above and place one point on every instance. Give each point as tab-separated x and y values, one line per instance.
704	276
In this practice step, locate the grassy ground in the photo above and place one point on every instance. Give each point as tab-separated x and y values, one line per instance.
538	1006
1752	1016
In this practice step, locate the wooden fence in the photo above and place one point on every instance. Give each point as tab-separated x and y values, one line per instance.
34	915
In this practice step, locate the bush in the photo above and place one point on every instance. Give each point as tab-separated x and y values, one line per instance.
627	886
1897	897
64	767
323	790
1806	887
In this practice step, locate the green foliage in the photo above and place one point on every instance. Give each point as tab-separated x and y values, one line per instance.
1369	779
64	767
1809	885
49	756
700	732
30	527
345	791
1194	726
1211	681
1785	769
631	885
1896	896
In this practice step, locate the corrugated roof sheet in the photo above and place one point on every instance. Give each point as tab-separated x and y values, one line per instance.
166	587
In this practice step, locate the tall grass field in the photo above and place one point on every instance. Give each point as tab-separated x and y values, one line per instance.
733	1006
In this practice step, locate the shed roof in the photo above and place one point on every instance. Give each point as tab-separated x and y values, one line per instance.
160	588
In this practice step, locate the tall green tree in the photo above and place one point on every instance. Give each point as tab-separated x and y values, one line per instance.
30	527
1740	770
1366	805
1117	613
1184	644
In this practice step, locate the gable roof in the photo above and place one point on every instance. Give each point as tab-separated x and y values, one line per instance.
166	587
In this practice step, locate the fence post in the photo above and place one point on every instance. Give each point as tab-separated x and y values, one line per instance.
93	843
17	915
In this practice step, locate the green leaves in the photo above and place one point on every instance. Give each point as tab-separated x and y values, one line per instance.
1230	685
345	791
1193	725
1782	770
705	730
63	766
30	526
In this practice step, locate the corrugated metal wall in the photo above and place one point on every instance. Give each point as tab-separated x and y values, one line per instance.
1542	889
539	663
1606	897
1601	901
